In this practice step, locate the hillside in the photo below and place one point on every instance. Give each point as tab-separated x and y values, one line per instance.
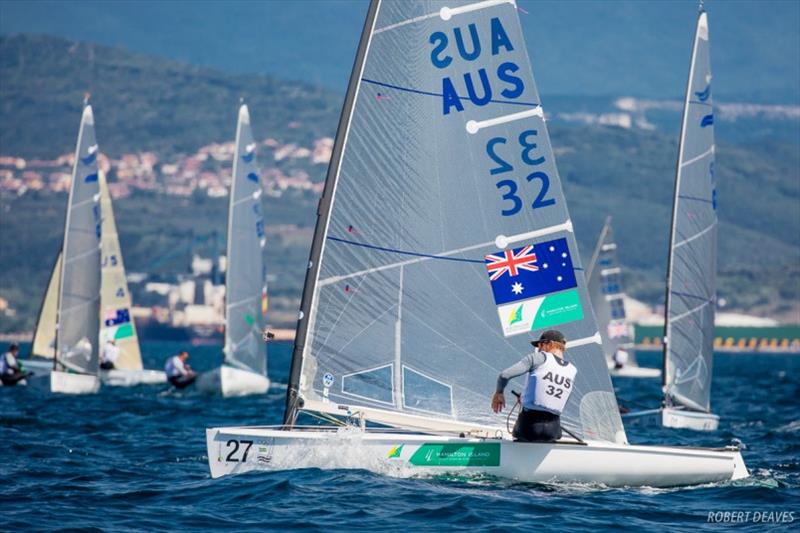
143	103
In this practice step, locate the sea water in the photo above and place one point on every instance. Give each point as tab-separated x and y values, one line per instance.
134	459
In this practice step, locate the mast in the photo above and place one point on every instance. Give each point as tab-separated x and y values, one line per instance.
229	238
323	217
675	192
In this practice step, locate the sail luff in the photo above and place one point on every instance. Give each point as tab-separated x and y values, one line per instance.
79	292
116	320
44	335
323	215
697	336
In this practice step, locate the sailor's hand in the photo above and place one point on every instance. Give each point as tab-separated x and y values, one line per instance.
498	402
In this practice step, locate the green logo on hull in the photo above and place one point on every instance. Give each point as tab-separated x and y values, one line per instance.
477	454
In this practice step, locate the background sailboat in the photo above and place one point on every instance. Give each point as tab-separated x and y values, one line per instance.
244	370
441	159
76	362
692	264
605	287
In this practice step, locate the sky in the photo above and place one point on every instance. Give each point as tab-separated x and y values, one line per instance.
579	47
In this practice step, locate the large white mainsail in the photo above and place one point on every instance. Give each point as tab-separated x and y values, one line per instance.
44	336
79	291
245	277
442	165
692	264
115	298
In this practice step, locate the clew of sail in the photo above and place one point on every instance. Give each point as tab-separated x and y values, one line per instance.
116	321
442	162
604	281
79	292
246	271
44	336
691	270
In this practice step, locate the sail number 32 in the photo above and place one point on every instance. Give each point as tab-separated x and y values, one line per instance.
509	187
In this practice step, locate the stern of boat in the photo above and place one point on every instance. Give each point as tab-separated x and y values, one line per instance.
68	383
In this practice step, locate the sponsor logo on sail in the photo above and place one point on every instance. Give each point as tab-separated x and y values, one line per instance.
516	316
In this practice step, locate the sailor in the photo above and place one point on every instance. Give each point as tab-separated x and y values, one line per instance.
620	358
11	371
178	371
108	358
550	380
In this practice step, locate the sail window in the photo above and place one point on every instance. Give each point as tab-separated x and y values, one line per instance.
611	284
371	384
617	308
424	393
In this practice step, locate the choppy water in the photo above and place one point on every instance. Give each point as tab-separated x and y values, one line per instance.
134	459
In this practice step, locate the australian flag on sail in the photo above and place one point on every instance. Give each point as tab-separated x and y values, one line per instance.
530	271
118	316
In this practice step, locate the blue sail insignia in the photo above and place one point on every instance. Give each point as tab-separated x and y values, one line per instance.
708	120
704	94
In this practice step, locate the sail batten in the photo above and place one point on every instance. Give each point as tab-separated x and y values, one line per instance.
245	277
78	310
691	268
434	170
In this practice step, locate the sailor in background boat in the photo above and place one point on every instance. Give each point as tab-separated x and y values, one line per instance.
11	371
547	389
178	371
620	358
110	355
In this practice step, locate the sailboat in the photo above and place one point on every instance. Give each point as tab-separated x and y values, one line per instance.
692	262
442	177
75	361
244	370
608	300
116	322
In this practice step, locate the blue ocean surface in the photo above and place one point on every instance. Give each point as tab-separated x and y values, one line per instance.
135	460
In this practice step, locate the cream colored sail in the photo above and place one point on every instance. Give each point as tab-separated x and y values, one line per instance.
44	338
116	321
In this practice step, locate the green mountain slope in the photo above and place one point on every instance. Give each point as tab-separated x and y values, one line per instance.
144	103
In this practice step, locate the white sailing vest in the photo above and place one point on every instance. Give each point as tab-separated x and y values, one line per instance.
549	385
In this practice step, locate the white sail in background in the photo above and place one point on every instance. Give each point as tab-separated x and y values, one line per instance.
79	291
44	336
605	286
116	321
691	271
442	171
245	277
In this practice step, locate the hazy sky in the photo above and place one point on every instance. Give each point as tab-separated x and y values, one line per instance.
589	47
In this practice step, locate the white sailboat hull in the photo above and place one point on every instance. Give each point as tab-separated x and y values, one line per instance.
67	383
629	371
674	418
236	450
229	381
130	378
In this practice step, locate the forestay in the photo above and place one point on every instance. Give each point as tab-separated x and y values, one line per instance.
691	271
44	336
443	169
608	297
79	294
245	278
